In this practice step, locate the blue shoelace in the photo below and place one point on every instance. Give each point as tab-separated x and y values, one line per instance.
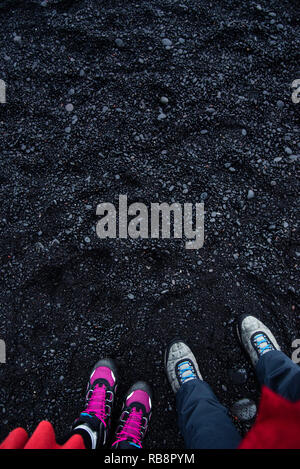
188	368
262	339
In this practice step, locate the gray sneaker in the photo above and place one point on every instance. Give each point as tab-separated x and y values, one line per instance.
256	338
180	364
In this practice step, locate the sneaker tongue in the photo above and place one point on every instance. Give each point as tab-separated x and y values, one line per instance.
262	343
185	372
262	346
184	369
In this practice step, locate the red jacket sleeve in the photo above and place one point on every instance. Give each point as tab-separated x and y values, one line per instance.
42	438
277	425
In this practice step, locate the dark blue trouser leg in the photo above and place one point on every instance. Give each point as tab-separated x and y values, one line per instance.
203	421
279	373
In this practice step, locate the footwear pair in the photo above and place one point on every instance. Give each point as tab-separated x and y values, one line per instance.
180	362
95	420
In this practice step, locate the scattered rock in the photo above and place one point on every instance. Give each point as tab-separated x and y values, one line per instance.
250	195
164	100
244	410
119	43
280	104
18	39
167	42
288	151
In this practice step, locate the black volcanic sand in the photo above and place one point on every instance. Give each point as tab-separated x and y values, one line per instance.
229	127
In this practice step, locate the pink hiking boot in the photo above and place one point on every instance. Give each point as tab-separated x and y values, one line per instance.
134	418
94	422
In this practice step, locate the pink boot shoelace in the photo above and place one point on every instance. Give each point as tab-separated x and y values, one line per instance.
132	428
96	403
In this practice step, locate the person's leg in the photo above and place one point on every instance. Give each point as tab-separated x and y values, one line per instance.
203	421
93	424
274	369
279	373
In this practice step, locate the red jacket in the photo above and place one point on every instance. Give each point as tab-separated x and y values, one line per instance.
277	427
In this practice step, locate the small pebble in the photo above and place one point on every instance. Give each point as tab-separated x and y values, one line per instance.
69	107
250	194
288	150
119	43
294	157
166	42
280	104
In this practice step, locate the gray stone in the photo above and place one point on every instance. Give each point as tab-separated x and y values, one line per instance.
288	150
244	410
166	42
119	43
69	107
250	194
